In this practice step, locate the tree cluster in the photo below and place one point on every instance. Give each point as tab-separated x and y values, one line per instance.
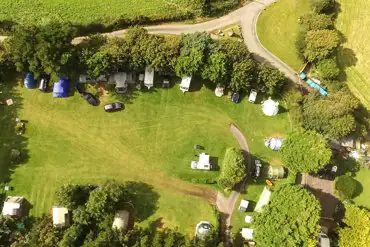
290	219
305	151
233	168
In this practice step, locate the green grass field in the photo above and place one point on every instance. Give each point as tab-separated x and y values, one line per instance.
277	29
69	141
362	199
86	11
354	22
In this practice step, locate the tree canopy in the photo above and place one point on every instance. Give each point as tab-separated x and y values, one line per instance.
243	75
345	187
314	21
215	68
290	219
320	44
305	151
233	169
270	80
327	69
43	49
357	229
333	115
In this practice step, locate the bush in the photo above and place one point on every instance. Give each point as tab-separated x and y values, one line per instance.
345	187
327	69
233	169
322	6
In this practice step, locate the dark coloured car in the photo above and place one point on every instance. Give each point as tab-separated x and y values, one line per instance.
44	83
235	97
116	106
90	98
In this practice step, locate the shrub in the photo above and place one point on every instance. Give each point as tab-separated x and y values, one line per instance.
233	169
322	6
345	187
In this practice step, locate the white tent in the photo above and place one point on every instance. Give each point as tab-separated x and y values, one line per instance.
243	205
203	163
60	216
13	206
247	233
149	77
264	199
270	107
274	143
185	83
121	219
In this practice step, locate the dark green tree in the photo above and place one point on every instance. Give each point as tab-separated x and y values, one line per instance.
291	218
215	68
314	21
305	151
243	75
72	236
235	50
333	115
322	6
320	44
270	80
327	69
44	234
71	196
345	187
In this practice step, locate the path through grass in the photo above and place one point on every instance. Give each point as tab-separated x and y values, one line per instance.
150	141
277	29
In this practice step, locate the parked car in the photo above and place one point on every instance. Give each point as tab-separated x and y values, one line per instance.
90	98
252	96
235	97
44	83
116	106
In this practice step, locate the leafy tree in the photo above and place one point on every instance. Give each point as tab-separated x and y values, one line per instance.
98	204
243	75
333	115
138	40
357	229
200	7
100	63
233	169
293	213
216	68
270	80
44	234
194	49
327	69
314	21
71	196
345	187
72	236
305	151
235	50
165	60
320	44
322	6
41	49
8	228
81	216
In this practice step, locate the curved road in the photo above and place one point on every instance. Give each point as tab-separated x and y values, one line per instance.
247	17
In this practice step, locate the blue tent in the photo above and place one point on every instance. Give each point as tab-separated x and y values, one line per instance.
61	88
29	81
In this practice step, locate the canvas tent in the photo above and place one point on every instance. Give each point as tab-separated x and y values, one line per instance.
185	84
13	206
61	88
203	163
276	172
60	216
243	206
247	233
270	107
263	200
274	143
29	81
121	219
149	77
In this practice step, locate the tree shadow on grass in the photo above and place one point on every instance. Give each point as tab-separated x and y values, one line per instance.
359	189
346	58
9	139
143	198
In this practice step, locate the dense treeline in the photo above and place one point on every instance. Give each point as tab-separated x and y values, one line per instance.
93	209
48	49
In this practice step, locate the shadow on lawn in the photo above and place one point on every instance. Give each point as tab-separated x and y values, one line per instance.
9	139
143	198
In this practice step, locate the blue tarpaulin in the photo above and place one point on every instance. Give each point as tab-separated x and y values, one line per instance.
316	86
303	76
61	88
29	81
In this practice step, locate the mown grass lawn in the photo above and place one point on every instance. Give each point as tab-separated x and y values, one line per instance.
151	141
362	199
354	22
277	29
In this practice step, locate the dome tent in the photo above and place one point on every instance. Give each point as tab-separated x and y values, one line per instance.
274	143
270	107
61	88
29	81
